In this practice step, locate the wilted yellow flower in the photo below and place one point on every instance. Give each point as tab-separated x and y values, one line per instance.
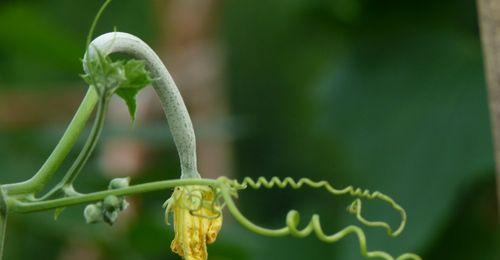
197	220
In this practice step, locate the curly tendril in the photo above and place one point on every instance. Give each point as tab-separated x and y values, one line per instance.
195	199
354	208
228	188
196	203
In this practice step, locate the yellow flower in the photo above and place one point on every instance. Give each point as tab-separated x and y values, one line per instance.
197	220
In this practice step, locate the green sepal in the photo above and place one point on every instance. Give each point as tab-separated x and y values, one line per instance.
110	217
119	183
93	213
104	74
58	212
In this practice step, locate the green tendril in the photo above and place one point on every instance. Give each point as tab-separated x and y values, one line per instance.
354	208
126	79
193	201
94	22
226	189
230	187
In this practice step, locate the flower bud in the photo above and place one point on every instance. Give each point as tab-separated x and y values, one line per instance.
110	217
124	204
119	183
92	213
112	203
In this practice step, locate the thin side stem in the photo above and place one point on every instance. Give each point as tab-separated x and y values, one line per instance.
17	206
90	145
84	155
3	230
68	140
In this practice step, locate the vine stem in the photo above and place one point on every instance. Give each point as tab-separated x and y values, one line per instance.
17	206
67	181
173	105
68	140
171	100
3	230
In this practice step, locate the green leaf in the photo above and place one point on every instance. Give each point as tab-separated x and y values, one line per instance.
129	96
137	77
104	74
124	78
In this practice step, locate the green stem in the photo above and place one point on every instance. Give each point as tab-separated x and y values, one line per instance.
180	124
84	155
3	220
68	140
3	229
171	100
90	145
17	206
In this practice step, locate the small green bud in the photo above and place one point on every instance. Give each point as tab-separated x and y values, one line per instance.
92	213
112	203
124	204
110	217
119	183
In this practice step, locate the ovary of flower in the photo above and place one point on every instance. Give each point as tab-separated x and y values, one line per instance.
197	220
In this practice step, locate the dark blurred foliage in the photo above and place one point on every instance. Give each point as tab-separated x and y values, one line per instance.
384	95
43	41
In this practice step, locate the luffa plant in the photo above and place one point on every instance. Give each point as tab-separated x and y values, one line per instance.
196	203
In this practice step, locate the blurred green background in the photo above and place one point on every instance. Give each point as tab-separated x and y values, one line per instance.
384	95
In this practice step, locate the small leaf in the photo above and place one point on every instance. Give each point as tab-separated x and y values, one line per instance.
104	74
136	74
129	96
124	78
58	212
137	77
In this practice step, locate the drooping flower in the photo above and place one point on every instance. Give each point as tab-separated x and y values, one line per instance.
197	220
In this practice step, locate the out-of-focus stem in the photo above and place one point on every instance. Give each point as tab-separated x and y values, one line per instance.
68	140
66	184
3	221
489	21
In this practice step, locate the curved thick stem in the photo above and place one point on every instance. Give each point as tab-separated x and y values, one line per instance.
173	105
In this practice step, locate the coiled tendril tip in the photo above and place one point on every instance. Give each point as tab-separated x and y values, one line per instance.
228	189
